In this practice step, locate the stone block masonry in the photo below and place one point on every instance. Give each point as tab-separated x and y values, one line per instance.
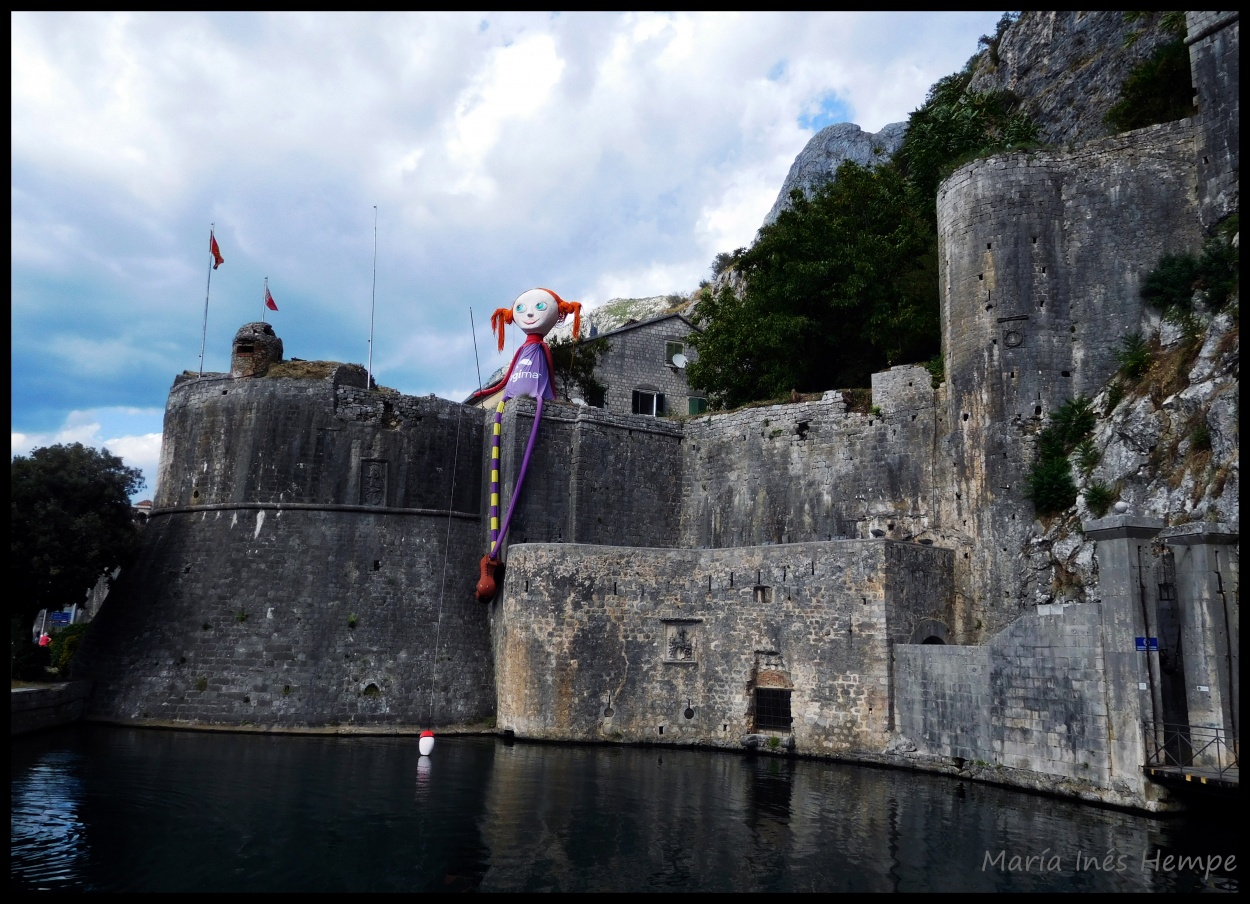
1032	700
813	470
594	476
295	619
1043	255
309	563
674	646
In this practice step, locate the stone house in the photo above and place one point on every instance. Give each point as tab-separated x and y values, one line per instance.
644	368
643	371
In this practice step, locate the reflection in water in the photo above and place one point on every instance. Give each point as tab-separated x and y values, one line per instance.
46	827
98	808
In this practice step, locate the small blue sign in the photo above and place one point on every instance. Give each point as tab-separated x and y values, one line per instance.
60	618
1147	644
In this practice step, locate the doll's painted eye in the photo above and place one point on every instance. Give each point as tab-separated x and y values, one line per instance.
542	306
520	308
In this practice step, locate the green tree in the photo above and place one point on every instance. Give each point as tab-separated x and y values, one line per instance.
846	282
956	125
71	523
840	285
574	362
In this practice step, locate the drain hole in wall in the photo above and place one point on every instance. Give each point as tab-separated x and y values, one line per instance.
689	713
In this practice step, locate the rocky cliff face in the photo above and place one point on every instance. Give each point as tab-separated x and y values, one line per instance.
828	149
1067	67
1168	447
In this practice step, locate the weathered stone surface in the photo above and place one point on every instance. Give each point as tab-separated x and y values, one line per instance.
668	646
1068	67
818	162
295	567
664	572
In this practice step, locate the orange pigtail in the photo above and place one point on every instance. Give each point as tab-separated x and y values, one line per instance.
499	320
574	308
566	308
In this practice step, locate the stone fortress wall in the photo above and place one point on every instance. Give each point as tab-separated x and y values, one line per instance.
1042	255
662	572
300	564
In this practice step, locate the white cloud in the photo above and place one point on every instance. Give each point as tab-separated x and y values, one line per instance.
600	154
103	429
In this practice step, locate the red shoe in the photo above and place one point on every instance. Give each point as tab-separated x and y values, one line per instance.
486	588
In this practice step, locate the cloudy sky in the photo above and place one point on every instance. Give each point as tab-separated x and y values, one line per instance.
475	155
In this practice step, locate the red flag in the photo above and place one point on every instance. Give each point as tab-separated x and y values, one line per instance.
218	260
269	302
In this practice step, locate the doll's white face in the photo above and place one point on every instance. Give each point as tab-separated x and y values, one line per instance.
535	312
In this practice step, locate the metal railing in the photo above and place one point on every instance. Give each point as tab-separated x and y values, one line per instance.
1191	749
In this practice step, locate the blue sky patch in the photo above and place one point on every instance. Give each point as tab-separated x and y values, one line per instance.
829	110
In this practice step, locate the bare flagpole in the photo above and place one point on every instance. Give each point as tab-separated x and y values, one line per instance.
473	333
373	302
264	301
211	260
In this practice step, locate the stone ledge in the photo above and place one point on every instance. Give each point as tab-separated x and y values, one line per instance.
36	708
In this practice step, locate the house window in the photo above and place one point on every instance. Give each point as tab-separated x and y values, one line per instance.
772	709
697	404
597	397
671	349
648	402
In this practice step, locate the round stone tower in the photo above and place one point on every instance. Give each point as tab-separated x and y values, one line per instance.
256	347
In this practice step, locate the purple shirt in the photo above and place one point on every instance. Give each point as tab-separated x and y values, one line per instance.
530	373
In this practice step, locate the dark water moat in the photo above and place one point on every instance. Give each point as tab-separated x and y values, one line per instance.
109	809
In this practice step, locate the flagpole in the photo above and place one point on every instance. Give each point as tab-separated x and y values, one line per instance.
473	333
207	288
374	301
264	301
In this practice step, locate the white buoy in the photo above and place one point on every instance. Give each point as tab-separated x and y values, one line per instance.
426	744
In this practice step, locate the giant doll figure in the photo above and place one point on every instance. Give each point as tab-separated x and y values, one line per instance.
536	312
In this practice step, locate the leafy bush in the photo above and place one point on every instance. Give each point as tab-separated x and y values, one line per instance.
1098	498
1134	359
1072	422
936	366
1087	456
840	286
992	42
1158	89
1171	284
1199	432
725	261
64	646
1219	268
1049	483
1051	488
955	125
